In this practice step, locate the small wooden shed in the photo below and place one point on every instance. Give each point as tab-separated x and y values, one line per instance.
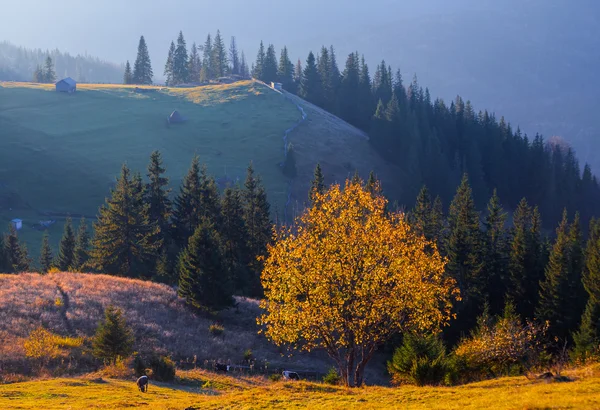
66	85
277	86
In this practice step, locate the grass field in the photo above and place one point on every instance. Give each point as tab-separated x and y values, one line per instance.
61	153
203	390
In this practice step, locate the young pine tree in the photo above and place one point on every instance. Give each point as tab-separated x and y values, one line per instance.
203	280
82	247
113	338
219	57
194	65
311	88
186	211
234	57
157	195
317	185
15	252
207	72
285	71
180	61
269	70
259	226
587	338
45	254
128	75
210	202
168	73
124	243
259	65
142	68
64	259
49	74
496	254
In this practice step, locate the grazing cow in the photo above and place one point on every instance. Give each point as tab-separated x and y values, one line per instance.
142	384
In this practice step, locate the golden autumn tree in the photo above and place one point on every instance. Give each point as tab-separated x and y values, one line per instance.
349	275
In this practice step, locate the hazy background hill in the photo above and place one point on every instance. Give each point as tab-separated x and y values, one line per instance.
532	61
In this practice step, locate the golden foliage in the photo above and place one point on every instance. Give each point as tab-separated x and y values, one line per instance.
349	274
45	345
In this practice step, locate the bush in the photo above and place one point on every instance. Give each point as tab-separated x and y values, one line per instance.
420	360
275	377
332	377
139	366
113	338
248	355
216	329
163	368
44	345
119	369
500	346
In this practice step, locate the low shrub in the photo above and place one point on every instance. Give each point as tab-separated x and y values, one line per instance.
43	345
275	377
139	366
248	355
163	368
420	360
332	377
119	369
216	329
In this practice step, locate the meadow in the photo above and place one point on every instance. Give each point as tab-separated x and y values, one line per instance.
60	154
198	389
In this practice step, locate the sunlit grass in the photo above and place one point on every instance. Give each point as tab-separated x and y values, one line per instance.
204	390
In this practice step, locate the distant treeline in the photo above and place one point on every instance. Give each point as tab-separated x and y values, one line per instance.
19	64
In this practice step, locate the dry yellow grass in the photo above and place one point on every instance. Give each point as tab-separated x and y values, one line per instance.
204	390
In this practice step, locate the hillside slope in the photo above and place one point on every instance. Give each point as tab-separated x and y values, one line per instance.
72	304
60	154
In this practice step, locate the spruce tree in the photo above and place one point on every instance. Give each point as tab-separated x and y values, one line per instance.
244	70
81	253
259	226
168	73
128	76
142	68
157	195
180	61
45	254
420	215
210	202
310	86
496	254
555	286
234	57
317	186
269	70
49	74
463	248
587	338
207	71
194	65
259	65
15	252
576	295
234	236
219	57
203	280
285	71
64	259
124	242
113	338
186	212
38	75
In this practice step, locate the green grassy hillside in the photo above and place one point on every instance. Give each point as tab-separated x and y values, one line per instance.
203	390
59	153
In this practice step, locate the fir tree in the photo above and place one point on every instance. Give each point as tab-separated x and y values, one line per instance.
233	234
82	247
269	69
128	76
38	75
157	195
463	248
64	259
15	252
49	74
180	61
45	254
555	286
496	254
587	338
285	71
142	68
124	242
244	70
202	282
258	224
298	73
317	186
234	57
210	202
257	72
219	57
169	65
207	72
310	85
576	295
186	213
113	338
194	65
